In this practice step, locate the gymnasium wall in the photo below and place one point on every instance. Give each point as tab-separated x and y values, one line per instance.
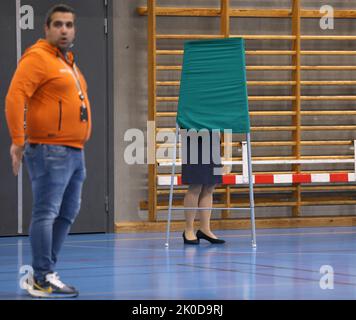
130	43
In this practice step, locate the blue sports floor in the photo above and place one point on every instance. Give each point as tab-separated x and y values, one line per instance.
286	265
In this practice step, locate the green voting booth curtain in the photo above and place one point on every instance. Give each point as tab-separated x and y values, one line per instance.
213	90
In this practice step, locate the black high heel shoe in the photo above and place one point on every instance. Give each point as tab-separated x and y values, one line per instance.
186	241
202	235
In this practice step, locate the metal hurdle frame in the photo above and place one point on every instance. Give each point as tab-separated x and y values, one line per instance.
250	182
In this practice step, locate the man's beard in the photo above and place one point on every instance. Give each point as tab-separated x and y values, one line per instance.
66	48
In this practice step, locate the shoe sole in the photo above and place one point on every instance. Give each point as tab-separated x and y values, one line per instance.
41	294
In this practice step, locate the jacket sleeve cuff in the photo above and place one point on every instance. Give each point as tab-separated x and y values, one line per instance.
18	141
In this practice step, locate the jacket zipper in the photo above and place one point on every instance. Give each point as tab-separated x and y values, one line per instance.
60	116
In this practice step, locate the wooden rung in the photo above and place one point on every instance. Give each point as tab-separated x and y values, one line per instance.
169	52
327	143
271	83
314	157
170	145
303	143
326	157
270	159
329	113
264	37
304	128
238	159
166	114
326	128
162	206
328	83
330	188
252	37
273	143
249	83
217	36
234	190
248	68
271	98
275	128
281	143
327	202
248	12
251	98
324	52
269	189
189	36
346	13
252	12
328	67
251	52
328	97
160	99
273	68
258	203
320	108
272	113
215	12
286	128
252	113
270	52
238	144
316	37
185	12
169	68
162	129
262	143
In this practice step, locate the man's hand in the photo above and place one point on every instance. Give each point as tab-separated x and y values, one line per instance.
16	153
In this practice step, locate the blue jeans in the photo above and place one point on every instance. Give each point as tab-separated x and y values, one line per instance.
57	174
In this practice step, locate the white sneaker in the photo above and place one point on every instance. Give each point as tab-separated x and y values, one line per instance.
52	287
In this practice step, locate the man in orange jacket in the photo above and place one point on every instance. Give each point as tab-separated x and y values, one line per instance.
58	123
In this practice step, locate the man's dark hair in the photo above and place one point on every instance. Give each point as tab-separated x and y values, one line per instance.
58	8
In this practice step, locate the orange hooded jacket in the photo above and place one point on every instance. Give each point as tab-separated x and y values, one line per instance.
44	82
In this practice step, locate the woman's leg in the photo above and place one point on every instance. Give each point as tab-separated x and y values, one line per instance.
206	201
191	200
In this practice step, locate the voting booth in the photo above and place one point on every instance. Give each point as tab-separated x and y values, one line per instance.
213	96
